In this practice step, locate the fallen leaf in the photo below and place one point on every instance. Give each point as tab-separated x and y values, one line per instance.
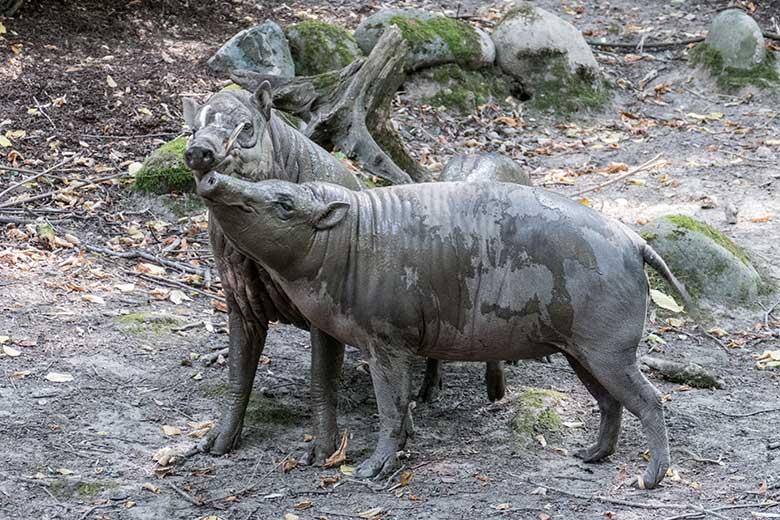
11	352
150	487
16	134
4	339
289	464
717	331
125	287
329	480
164	456
664	301
93	299
177	297
712	116
503	506
110	82
405	477
306	504
20	374
152	269
57	377
544	516
371	513
347	470
64	471
763	218
2	28
128	504
145	111
694	485
672	474
307	437
171	431
340	455
290	516
4	142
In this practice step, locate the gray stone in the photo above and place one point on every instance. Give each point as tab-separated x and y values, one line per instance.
433	39
262	49
319	47
537	47
485	167
738	39
712	267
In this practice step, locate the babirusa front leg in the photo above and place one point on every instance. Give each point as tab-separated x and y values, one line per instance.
390	375
327	357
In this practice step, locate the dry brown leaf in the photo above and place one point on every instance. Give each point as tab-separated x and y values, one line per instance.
289	464
763	218
171	431
329	480
93	298
150	487
152	269
306	504
340	455
371	513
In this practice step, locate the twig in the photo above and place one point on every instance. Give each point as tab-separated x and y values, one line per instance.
184	494
211	358
42	111
248	486
629	173
33	176
5	219
49	194
93	509
146	256
602	498
716	340
174	283
645	45
741	415
698	458
145	136
768	313
722	508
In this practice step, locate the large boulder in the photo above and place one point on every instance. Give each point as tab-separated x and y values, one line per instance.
319	47
433	39
734	52
454	87
262	48
485	167
165	171
712	267
549	57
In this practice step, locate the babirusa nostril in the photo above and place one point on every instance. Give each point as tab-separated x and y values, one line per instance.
212	181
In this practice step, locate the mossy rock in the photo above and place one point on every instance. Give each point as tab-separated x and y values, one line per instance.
319	47
165	171
711	61
432	39
535	414
711	266
550	59
454	87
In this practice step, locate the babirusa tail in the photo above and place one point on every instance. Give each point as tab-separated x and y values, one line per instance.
655	261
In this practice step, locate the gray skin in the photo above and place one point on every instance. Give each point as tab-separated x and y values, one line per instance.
265	148
463	272
483	167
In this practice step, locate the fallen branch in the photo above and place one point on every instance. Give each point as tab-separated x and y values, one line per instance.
184	494
145	256
50	194
174	283
6	219
642	167
741	415
637	45
690	374
34	176
212	357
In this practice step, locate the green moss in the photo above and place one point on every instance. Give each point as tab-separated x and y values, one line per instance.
690	223
561	90
66	489
535	414
263	411
390	142
231	86
461	39
465	90
291	120
325	80
138	322
88	489
523	9
165	171
372	182
323	47
729	78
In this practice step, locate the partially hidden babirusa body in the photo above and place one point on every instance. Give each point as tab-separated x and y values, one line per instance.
458	271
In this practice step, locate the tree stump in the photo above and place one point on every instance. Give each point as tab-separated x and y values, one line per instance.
349	109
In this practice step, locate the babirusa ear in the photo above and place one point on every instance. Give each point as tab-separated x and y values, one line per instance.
264	99
331	215
190	109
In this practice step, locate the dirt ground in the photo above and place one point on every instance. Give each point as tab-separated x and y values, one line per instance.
83	448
